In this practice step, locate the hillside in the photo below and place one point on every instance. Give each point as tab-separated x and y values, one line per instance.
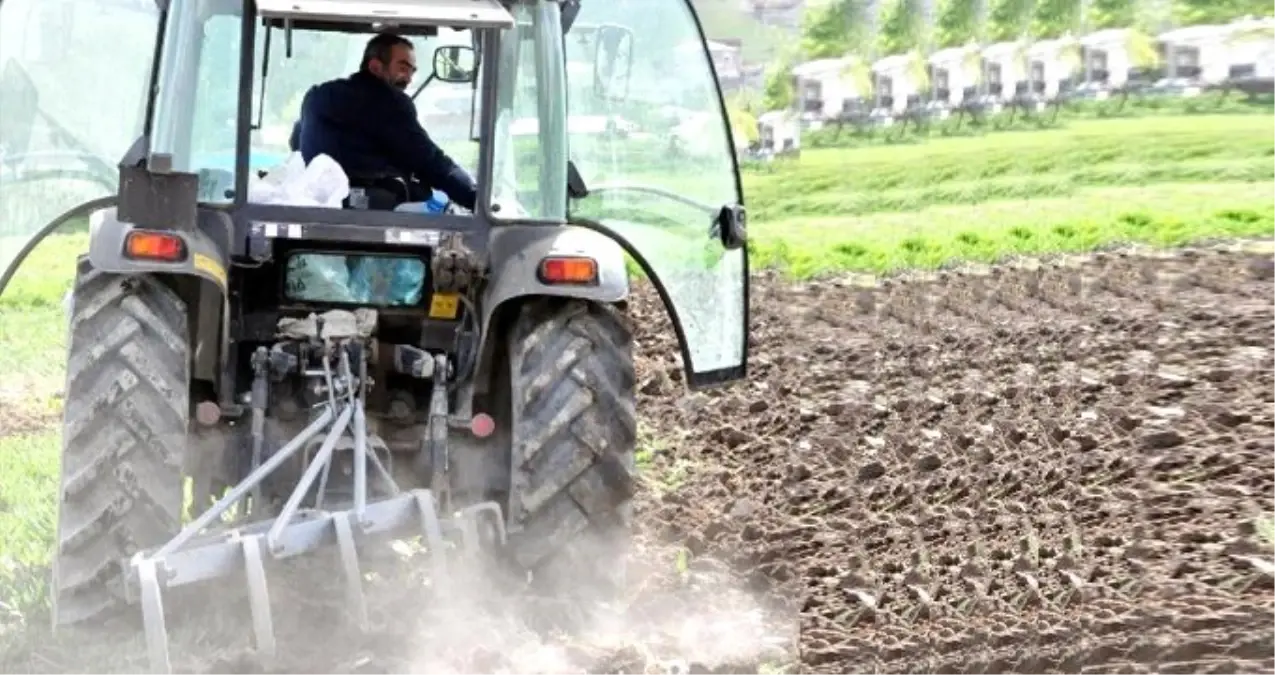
723	19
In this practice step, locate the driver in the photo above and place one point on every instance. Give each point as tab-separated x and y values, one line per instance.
367	123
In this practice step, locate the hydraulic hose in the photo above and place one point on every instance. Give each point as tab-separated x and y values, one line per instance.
81	210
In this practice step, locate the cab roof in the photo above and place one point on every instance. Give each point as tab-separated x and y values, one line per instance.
402	14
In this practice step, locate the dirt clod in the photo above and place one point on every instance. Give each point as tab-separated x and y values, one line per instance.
1162	439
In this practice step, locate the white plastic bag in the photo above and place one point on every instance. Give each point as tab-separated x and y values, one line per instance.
293	183
325	182
272	189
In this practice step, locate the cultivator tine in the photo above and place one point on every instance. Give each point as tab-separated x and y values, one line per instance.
384	473
152	601
433	532
360	463
471	516
350	563
360	451
469	535
258	596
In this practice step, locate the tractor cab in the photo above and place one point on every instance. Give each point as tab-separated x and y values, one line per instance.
559	110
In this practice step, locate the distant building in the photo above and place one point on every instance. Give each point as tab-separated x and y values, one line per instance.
1004	69
954	73
823	87
1105	57
1211	54
728	62
1049	65
895	84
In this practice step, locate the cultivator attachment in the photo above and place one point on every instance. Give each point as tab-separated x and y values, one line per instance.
332	354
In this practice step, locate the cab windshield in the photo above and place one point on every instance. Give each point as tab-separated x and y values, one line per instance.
443	108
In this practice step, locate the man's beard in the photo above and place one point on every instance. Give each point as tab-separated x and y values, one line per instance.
400	84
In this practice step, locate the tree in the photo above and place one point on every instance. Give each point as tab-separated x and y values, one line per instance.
1011	19
743	125
779	91
859	71
905	27
1194	12
1111	14
839	27
1055	18
747	100
960	22
972	65
1142	49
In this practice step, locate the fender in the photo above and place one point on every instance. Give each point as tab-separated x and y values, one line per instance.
106	251
207	262
515	254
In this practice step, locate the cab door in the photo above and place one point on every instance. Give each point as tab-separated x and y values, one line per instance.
649	137
73	82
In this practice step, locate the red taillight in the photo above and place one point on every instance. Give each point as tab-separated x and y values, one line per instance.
569	270
154	246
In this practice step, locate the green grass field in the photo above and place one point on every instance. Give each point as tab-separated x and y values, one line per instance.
1092	183
1164	180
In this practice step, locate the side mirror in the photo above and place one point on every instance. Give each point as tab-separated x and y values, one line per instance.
454	63
612	62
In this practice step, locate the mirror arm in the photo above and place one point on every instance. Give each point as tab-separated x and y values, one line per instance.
422	87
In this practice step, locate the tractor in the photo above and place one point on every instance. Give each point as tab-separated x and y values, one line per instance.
248	381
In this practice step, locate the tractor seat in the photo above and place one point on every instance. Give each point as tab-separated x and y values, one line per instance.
384	192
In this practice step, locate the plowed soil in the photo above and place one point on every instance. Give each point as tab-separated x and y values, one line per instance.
1053	467
1063	466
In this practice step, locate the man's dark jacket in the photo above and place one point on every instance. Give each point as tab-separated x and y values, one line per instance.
370	129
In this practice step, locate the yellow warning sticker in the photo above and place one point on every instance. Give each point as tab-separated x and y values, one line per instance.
444	306
210	267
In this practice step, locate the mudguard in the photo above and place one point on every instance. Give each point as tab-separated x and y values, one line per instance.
107	233
516	252
207	260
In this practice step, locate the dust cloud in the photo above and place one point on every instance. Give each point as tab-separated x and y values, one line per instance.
677	617
680	615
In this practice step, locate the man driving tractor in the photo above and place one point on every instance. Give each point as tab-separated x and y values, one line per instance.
367	123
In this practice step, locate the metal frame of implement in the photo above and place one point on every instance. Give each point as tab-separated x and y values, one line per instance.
190	557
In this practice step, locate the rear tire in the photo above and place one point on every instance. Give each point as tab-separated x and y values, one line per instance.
124	435
574	427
